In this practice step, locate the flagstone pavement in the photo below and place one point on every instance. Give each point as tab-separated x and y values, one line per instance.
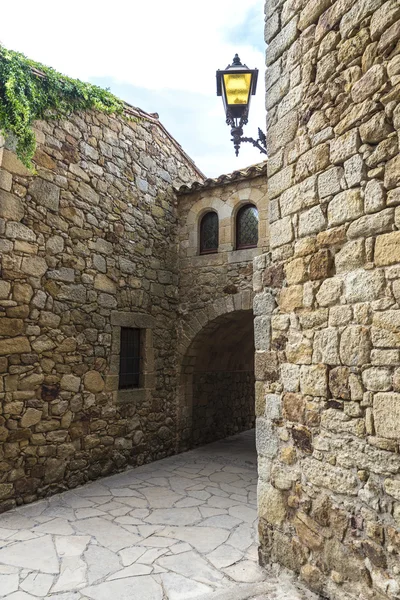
182	528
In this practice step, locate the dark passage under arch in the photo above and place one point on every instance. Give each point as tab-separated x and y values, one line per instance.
219	379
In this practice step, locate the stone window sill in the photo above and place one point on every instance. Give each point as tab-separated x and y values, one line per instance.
131	396
246	254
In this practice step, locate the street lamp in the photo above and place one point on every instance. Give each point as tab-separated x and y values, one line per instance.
236	85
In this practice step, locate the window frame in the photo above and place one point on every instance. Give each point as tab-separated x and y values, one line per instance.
241	209
128	353
202	251
146	324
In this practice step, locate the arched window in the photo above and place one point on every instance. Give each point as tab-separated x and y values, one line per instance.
209	233
247	227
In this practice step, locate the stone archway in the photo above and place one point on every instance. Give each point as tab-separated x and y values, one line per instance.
216	392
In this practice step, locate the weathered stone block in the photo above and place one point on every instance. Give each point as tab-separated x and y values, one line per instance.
314	380
271	503
272	25
93	382
294	407
329	292
344	146
263	304
312	162
11	207
34	265
70	383
290	377
371	225
281	232
333	478
375	196
296	271
104	284
339	382
356	14
31	417
299	196
375	129
266	366
389	40
384	17
262	332
392	173
368	84
350	257
346	206
45	193
16	345
280	182
355	346
387	249
282	41
291	298
281	133
326	346
11	327
377	380
311	221
310	13
386	329
320	265
329	182
364	286
355	170
387	415
266	438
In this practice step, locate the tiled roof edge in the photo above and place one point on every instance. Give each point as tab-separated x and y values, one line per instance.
236	176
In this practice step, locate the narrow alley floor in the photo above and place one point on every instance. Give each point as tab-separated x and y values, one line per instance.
182	528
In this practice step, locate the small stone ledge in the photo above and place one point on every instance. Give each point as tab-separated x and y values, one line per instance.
246	255
132	396
126	319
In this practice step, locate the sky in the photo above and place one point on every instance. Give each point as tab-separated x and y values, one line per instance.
159	55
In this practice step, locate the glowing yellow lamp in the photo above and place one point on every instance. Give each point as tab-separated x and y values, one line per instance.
236	84
237	88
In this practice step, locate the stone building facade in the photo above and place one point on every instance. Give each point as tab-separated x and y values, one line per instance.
216	336
87	247
328	377
95	243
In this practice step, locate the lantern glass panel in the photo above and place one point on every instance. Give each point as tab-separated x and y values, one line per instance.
237	86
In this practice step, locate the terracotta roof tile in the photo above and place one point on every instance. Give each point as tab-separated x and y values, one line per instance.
247	173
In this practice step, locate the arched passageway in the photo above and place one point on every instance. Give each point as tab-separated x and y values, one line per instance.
217	384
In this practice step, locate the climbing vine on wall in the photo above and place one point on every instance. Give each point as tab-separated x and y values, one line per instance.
30	91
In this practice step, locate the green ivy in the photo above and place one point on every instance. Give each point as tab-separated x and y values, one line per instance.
26	96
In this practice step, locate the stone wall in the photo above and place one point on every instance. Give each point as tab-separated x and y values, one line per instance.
328	375
215	309
223	405
88	245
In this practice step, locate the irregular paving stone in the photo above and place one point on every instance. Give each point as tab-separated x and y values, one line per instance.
190	564
37	554
182	588
145	588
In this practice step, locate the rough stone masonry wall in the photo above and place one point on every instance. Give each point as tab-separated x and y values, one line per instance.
217	399
328	389
87	246
223	405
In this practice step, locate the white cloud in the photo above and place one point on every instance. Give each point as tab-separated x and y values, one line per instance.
154	44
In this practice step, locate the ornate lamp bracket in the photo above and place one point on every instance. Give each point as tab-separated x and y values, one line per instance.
237	139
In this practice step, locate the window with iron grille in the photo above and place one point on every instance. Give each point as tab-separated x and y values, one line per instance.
130	358
247	227
209	233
